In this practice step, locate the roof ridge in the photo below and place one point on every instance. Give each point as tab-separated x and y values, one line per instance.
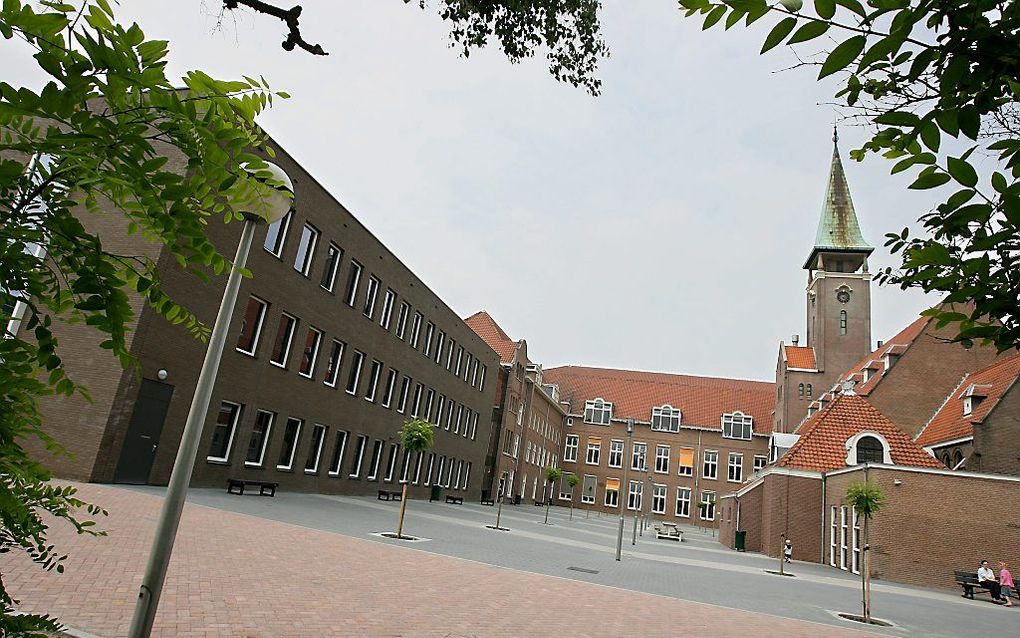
656	372
949	397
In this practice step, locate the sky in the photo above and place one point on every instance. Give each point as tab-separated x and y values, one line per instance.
660	226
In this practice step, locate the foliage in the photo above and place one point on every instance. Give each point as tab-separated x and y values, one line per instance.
553	474
107	132
919	72
866	497
572	480
417	436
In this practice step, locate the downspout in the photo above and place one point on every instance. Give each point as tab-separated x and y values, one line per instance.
821	536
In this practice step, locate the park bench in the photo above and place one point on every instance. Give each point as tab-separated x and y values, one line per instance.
240	484
387	495
456	500
669	531
971	585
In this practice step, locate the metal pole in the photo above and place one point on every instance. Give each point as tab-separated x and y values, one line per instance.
177	489
620	498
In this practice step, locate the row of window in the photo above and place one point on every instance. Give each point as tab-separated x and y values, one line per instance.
537	455
666	418
804	390
425	402
422	335
635	492
541	425
845	539
639	453
440	470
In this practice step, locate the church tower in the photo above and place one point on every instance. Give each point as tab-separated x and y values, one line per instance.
838	305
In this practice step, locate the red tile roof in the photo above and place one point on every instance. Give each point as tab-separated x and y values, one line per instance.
875	361
823	437
801	357
701	400
949	423
490	332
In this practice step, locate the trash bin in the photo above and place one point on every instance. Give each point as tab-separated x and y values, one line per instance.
517	499
436	494
739	539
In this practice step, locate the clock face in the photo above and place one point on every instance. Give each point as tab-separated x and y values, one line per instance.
843	296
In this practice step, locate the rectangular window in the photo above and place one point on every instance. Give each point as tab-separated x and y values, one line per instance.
612	492
251	326
474	426
430	330
417	467
457	474
439	470
359	453
711	466
760	461
306	249
315	448
460	415
276	234
639	457
416	404
474	373
333	257
415	329
405	386
310	353
634	495
481	380
707	506
616	453
735	468
588	489
449	353
391	382
291	434
467	474
737	426
387	309
259	438
665	419
570	451
843	534
223	432
281	345
370	296
658	499
373	467
352	380
594	450
832	536
598	412
336	354
467	365
440	340
449	474
438	417
686	462
353	279
391	463
373	380
855	565
338	453
430	398
428	472
683	502
662	460
402	319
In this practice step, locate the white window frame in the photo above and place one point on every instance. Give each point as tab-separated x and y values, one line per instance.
685	470
290	341
373	466
662	453
593	497
297	440
353	283
283	224
710	459
659	493
615	453
331	380
303	263
732	420
593	453
360	442
430	331
357	364
317	427
265	438
233	431
760	461
709	503
337	462
315	353
833	535
405	389
416	320
387	309
843	532
328	287
666	418
374	371
391	462
598	411
391	382
855	541
683	502
635	491
440	340
402	312
735	467
616	497
639	454
263	310
371	294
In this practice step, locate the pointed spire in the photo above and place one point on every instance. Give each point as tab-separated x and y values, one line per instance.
838	229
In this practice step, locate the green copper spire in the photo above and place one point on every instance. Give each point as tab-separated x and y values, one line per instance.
838	229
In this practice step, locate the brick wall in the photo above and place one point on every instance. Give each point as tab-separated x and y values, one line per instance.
997	438
790	507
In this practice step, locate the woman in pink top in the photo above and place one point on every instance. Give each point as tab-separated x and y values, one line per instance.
1006	582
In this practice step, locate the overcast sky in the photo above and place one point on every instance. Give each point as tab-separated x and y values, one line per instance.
661	226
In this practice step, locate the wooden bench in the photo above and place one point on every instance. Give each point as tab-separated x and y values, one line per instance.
387	495
240	484
971	585
456	500
669	531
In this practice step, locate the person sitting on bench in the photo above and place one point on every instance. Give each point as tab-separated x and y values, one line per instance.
986	579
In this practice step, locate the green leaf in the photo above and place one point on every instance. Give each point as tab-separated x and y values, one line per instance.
970	121
843	55
962	171
825	8
929	180
714	16
898	118
809	31
778	33
931	136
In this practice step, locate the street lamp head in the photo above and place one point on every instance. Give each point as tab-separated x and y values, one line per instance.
279	196
630	425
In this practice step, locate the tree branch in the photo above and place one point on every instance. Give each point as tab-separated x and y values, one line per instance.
290	17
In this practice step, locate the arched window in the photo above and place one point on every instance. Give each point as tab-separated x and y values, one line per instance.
800	391
809	390
870	450
957	459
946	461
842	322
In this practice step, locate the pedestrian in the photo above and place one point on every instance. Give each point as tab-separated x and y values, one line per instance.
986	579
788	551
1006	582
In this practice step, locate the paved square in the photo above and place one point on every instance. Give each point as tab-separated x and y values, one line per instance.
307	565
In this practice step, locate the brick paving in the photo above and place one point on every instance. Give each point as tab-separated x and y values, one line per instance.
236	575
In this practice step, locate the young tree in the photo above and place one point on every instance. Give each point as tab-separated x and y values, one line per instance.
416	437
552	474
572	481
917	72
866	498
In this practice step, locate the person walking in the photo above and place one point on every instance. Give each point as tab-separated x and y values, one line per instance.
1006	583
986	579
788	551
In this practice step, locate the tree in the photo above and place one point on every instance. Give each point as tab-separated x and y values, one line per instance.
572	481
866	498
552	474
97	138
416	436
918	72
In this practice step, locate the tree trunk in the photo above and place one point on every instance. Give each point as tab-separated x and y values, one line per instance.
866	575
403	504
547	499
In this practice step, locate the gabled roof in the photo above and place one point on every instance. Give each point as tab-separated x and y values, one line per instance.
949	423
490	332
838	228
823	437
875	360
701	400
800	357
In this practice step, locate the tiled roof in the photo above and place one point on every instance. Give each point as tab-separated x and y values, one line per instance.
490	332
701	400
875	361
949	423
801	357
823	437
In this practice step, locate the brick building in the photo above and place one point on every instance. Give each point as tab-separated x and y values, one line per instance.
526	432
334	343
694	440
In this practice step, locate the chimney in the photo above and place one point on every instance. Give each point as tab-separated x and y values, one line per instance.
796	339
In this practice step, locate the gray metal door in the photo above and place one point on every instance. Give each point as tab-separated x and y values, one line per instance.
142	438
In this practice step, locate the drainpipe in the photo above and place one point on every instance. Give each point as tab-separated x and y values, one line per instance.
821	544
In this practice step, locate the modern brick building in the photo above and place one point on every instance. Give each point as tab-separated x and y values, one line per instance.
334	343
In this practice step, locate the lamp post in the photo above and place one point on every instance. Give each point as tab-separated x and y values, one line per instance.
274	206
623	510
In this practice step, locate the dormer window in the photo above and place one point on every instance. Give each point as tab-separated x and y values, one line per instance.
598	412
867	447
666	419
737	425
968	405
